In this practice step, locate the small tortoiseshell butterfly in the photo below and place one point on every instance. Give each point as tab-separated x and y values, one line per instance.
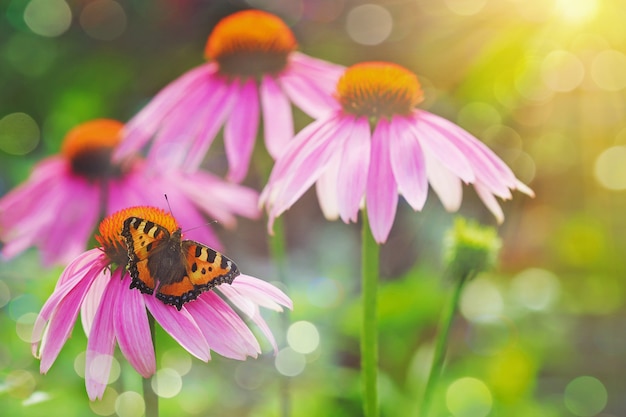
177	270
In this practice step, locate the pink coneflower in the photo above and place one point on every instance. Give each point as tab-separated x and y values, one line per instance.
374	144
253	67
97	284
60	204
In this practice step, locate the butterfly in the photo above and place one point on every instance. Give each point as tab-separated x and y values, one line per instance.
177	270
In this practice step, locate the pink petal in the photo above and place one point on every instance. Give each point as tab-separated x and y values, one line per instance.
29	214
488	168
225	331
490	202
277	117
262	292
69	233
63	305
241	130
90	304
179	129
326	190
211	120
382	191
353	170
250	309
443	147
311	162
306	141
140	129
225	199
180	325
101	344
310	84
408	164
61	324
132	329
446	185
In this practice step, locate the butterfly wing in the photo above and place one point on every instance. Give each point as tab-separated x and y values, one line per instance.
206	267
143	240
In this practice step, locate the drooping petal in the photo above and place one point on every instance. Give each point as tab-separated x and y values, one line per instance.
250	309
180	325
29	213
224	199
353	170
146	122
488	168
326	190
240	131
62	322
90	304
64	303
490	202
382	191
69	233
226	333
442	147
311	162
524	188
446	185
132	329
262	292
310	84
408	163
101	344
179	129
211	119
277	117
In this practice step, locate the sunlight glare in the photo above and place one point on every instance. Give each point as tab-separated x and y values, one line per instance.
576	12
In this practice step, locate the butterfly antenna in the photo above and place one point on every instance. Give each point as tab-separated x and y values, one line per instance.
167	200
197	227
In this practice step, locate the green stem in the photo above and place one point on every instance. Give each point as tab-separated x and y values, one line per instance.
441	345
369	329
279	255
149	396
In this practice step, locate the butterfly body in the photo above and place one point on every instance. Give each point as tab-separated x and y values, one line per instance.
175	270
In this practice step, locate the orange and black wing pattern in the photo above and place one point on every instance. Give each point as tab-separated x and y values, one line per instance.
176	271
144	239
204	268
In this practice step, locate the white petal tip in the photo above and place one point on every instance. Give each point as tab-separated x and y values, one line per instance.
523	188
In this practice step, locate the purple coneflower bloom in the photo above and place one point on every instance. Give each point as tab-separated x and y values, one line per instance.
253	67
374	144
97	284
60	204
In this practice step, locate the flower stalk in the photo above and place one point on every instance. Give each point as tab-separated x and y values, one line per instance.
471	248
369	329
279	255
441	344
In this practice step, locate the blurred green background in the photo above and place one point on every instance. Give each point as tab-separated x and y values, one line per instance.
540	81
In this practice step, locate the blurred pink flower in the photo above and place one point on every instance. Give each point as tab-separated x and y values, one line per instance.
374	145
97	284
253	68
60	204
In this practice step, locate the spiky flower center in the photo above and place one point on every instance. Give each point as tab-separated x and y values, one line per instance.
88	148
250	43
110	230
378	89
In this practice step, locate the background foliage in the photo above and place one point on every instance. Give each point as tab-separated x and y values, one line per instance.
540	81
